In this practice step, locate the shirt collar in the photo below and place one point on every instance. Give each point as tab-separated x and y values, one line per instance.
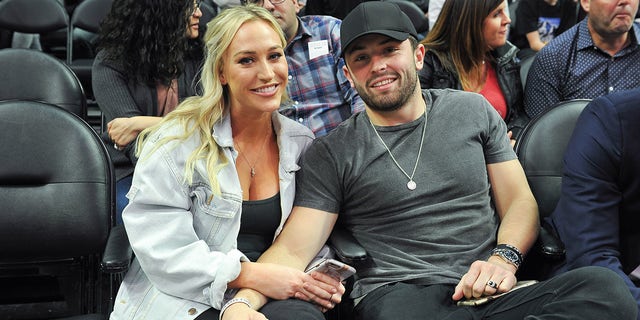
303	31
585	40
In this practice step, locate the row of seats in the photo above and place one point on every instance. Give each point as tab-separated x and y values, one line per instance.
80	30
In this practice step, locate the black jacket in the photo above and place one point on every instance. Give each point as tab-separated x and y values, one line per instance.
507	66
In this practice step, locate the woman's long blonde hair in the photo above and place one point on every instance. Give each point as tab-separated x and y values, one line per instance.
200	113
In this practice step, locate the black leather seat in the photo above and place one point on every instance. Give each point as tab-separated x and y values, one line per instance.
49	18
57	215
34	75
540	149
84	28
525	65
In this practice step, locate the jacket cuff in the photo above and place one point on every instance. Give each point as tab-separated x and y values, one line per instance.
228	271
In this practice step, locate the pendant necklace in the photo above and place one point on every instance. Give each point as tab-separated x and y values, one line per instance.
411	185
253	166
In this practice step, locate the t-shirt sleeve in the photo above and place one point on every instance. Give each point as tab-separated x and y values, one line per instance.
527	16
317	183
497	146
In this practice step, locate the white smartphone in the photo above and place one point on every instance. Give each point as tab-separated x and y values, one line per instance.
333	268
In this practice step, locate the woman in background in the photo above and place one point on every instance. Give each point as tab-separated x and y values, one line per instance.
467	49
148	61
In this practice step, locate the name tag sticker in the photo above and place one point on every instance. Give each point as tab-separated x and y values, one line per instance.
318	48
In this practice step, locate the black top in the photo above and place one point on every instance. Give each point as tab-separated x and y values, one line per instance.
550	21
259	221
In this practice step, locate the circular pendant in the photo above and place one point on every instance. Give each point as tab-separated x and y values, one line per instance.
411	185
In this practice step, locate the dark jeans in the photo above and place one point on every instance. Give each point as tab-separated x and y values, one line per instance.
292	309
587	293
122	188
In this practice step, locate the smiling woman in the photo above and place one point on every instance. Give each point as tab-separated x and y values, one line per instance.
215	184
467	49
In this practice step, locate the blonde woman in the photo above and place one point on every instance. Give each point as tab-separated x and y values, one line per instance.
214	185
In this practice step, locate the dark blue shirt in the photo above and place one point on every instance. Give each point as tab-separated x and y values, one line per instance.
572	67
601	188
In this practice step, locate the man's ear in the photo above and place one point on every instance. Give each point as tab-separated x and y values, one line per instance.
419	56
348	75
585	5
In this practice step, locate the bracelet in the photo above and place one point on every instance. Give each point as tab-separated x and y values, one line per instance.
233	301
509	254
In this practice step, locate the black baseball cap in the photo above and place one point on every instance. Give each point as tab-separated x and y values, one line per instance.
378	17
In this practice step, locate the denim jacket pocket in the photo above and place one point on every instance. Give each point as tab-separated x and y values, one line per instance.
213	215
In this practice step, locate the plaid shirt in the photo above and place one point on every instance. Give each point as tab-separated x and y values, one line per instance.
320	96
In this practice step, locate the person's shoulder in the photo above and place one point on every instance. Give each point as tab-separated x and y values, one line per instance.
319	19
290	127
561	42
621	101
314	24
345	131
448	96
453	101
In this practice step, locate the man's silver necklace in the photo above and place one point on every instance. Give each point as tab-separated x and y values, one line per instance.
411	185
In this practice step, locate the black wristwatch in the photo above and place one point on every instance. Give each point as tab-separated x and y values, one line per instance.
509	254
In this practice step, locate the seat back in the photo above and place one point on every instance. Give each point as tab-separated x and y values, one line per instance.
85	25
56	207
34	75
415	14
525	65
36	16
83	29
541	149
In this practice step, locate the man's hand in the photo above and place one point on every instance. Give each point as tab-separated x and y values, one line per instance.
486	278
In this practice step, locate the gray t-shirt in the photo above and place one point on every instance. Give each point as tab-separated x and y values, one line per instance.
432	234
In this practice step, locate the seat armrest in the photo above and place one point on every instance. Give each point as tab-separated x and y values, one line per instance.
346	247
549	245
117	253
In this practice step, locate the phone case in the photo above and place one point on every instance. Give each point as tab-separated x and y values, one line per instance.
482	300
333	268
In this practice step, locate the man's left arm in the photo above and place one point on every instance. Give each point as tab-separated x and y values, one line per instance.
518	228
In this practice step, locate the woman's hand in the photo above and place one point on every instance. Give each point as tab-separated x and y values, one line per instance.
486	278
325	291
122	131
241	311
125	130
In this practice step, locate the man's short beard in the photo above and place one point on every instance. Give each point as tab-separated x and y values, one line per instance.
390	103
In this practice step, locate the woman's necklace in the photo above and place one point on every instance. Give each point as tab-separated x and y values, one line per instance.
411	185
253	166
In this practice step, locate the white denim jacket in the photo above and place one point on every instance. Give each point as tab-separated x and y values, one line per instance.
184	238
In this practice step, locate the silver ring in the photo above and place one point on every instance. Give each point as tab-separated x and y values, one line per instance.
492	284
115	146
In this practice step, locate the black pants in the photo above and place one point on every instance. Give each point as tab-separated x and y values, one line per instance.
292	309
587	293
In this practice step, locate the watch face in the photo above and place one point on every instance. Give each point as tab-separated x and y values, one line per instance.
512	256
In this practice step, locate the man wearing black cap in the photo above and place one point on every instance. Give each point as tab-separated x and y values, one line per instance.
445	214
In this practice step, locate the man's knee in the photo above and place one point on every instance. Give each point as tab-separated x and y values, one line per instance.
605	287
